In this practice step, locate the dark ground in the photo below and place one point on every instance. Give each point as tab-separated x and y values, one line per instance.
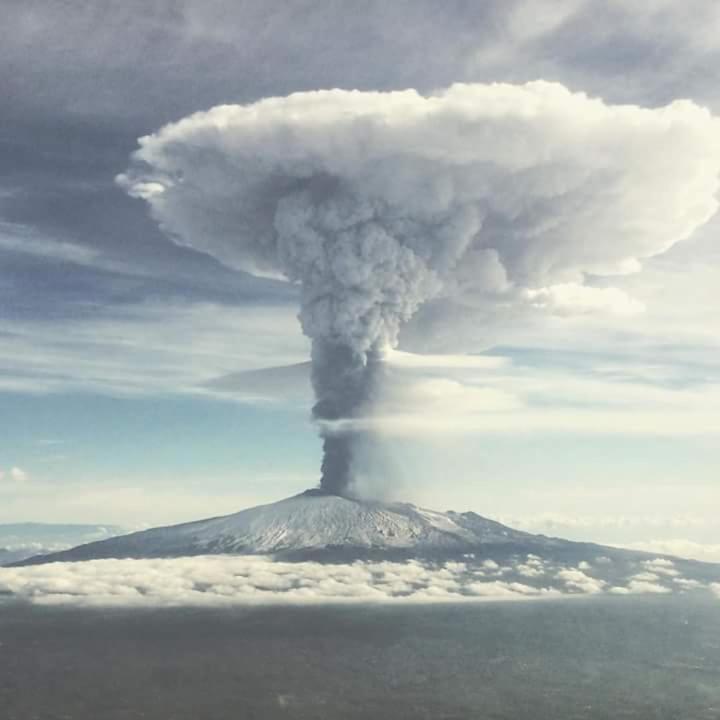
547	660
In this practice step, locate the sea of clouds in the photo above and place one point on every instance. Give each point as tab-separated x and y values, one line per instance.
245	580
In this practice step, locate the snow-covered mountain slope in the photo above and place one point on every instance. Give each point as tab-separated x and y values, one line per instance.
328	528
310	521
359	550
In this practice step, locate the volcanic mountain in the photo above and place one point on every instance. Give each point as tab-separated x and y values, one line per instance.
312	523
321	546
320	526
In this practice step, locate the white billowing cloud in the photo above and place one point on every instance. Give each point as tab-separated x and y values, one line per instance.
532	568
232	580
220	580
379	202
662	566
18	474
15	475
578	580
641	587
499	590
649	580
645	577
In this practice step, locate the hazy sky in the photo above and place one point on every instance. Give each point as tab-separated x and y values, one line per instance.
125	395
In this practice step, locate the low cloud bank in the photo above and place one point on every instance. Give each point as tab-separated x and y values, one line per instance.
242	580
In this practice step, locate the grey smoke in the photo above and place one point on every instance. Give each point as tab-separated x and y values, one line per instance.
343	380
380	205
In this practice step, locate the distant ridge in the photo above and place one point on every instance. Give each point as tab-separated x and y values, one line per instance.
22	540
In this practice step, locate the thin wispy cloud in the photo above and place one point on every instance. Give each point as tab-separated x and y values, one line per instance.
146	349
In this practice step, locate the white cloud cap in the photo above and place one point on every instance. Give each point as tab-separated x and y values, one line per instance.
386	200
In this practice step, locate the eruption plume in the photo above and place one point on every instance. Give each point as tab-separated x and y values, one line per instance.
381	205
342	379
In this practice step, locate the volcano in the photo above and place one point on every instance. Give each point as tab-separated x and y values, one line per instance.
308	535
320	526
313	522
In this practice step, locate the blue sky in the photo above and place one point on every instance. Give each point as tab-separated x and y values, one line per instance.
125	391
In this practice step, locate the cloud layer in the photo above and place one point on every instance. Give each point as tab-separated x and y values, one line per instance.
231	580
